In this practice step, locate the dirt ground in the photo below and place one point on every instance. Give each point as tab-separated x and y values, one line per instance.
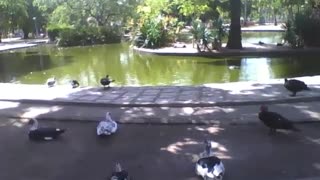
158	152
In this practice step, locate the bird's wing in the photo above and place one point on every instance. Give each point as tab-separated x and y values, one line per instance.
218	169
281	121
46	131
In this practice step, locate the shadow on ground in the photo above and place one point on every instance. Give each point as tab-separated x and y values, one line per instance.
158	152
167	151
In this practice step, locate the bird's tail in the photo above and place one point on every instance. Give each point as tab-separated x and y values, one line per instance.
307	88
61	130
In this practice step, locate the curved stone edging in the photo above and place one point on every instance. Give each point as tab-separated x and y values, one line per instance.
231	53
207	95
182	104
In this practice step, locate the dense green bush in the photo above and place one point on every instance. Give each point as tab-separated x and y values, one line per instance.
304	29
152	34
54	31
88	36
308	28
290	36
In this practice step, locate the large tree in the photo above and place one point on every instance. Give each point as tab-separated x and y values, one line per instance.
77	12
234	39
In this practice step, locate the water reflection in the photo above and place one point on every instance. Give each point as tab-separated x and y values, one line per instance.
89	64
255	69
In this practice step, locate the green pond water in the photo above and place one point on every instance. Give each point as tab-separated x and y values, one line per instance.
89	64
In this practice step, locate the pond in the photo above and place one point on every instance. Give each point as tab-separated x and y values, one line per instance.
89	64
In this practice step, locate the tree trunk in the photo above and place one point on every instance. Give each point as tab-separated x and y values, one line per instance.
25	33
262	19
234	39
275	17
290	13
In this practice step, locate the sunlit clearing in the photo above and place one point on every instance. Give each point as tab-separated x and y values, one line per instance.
7	105
211	129
13	122
228	110
317	141
188	110
149	113
33	112
147	109
176	147
9	122
217	146
18	124
312	114
316	165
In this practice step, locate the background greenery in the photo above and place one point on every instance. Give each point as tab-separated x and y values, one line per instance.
155	22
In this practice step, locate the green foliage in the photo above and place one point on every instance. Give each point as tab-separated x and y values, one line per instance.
54	31
153	34
308	28
12	13
304	29
88	36
198	30
291	36
221	31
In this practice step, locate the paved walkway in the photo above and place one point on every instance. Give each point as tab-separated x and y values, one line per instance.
152	152
230	103
239	93
7	47
17	43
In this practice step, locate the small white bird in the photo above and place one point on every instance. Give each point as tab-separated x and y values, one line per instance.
51	82
209	167
107	126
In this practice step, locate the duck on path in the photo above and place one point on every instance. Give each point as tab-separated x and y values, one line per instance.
207	150
51	82
295	86
274	120
106	81
107	126
119	173
74	83
209	166
43	133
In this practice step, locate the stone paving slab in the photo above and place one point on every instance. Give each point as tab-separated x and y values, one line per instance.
239	93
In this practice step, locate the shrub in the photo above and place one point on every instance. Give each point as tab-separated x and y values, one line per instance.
291	36
88	36
304	29
54	31
152	34
308	28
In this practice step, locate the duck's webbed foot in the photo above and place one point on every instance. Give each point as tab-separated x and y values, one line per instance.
293	94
